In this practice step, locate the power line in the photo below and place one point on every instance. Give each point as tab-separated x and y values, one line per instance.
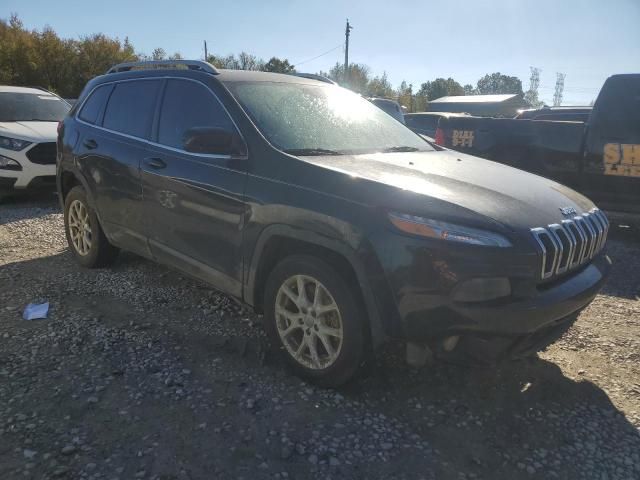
318	56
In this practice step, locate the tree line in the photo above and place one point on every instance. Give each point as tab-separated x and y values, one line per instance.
42	58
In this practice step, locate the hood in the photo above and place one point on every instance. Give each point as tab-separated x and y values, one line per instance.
31	131
514	198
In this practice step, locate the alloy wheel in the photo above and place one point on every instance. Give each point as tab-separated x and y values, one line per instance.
80	227
308	321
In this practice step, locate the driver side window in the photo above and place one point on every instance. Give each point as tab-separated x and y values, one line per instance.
188	105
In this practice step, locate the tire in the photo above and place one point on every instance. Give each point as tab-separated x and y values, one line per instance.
95	251
338	358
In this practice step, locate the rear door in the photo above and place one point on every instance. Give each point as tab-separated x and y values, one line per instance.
113	141
612	148
194	203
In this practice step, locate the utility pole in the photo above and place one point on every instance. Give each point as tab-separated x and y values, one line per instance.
206	56
557	97
346	51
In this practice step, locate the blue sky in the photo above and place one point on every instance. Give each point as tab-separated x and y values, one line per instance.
410	40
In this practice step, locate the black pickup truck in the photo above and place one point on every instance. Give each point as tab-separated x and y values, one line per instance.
599	158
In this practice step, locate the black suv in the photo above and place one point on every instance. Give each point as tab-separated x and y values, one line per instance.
316	208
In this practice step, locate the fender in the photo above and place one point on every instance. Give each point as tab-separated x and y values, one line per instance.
72	169
375	324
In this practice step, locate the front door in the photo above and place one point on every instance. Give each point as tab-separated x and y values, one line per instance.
194	201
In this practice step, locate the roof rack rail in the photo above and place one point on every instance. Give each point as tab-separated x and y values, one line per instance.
159	64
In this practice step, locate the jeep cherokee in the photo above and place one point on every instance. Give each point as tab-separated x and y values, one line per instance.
338	223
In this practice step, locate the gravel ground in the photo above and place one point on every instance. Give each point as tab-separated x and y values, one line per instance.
141	373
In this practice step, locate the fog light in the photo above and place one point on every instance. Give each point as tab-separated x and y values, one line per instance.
9	164
482	289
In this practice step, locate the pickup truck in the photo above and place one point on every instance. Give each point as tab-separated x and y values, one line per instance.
599	158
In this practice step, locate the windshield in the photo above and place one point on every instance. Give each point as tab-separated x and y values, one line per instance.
24	107
318	119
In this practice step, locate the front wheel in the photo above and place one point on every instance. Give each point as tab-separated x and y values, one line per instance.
315	320
85	237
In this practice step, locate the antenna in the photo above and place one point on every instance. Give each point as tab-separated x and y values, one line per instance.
557	97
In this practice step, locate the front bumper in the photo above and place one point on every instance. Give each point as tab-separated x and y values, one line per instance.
513	317
32	176
422	278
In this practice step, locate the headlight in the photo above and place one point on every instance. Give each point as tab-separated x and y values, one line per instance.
9	164
13	143
425	227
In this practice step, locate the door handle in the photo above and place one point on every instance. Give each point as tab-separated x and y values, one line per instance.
155	163
90	144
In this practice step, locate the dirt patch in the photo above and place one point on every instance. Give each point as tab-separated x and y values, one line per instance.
141	373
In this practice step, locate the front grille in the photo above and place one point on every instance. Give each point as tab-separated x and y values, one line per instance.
571	243
43	153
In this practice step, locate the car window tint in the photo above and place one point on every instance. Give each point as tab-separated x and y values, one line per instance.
187	105
131	107
94	104
422	121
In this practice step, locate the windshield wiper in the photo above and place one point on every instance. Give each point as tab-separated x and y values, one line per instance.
401	148
311	151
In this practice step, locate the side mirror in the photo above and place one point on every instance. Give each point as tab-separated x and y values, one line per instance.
213	140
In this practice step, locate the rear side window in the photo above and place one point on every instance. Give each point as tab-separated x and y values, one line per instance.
95	103
426	122
131	107
187	105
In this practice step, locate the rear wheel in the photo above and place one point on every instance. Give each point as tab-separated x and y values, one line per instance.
85	237
315	320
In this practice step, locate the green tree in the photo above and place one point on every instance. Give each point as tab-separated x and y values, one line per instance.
497	83
277	65
95	54
440	87
380	87
469	90
244	61
247	61
405	95
531	97
229	62
159	54
17	55
357	79
54	59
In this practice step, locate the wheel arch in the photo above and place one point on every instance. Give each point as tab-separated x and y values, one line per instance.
69	178
279	241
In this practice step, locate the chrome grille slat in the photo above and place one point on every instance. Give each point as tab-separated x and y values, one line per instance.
591	233
601	229
567	245
584	235
566	254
